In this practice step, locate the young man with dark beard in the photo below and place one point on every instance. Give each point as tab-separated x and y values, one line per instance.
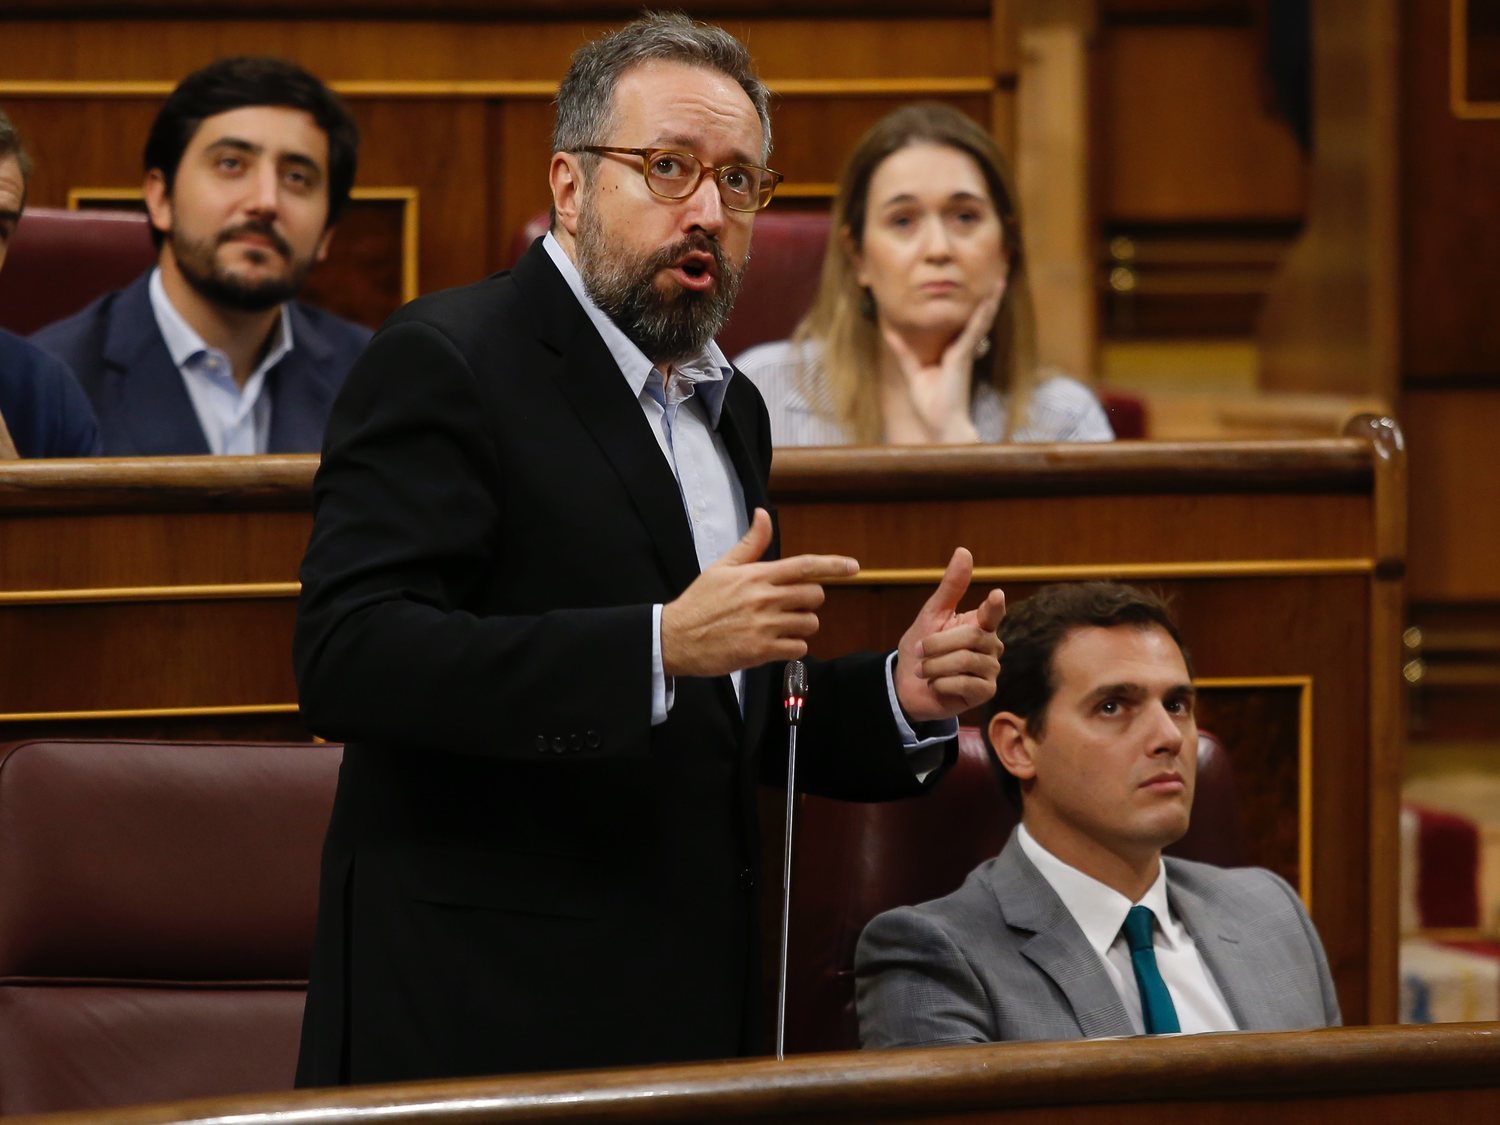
542	606
248	166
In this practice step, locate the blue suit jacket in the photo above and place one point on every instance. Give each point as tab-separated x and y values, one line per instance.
44	408
118	354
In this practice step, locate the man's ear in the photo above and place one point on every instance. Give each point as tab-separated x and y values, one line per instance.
323	244
158	200
567	180
1015	750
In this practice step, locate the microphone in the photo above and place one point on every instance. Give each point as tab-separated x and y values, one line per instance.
794	691
793	699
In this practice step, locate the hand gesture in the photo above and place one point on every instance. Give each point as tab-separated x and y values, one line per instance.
947	661
938	395
741	612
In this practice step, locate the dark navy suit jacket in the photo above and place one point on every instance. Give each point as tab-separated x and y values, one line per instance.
45	409
118	354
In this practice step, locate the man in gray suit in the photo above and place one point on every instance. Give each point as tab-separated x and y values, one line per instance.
1080	928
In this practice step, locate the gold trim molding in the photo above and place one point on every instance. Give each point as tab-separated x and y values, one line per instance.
914	576
1458	68
211	592
150	713
533	89
1248	568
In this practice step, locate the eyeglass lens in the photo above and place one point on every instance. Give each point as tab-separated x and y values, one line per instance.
677	174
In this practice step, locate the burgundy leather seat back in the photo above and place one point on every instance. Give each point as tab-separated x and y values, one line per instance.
60	260
786	264
157	903
853	861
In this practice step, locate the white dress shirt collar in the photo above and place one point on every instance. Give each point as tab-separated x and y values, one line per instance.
1098	909
708	372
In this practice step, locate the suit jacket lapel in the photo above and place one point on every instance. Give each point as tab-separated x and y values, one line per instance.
1057	946
147	397
1231	961
591	381
300	391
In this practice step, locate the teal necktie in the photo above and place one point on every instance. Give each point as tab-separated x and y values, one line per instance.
1156	1002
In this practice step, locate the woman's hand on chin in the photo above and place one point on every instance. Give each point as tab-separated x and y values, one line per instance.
931	405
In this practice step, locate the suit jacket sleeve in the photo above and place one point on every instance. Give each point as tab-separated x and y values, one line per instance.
395	642
914	987
1333	1017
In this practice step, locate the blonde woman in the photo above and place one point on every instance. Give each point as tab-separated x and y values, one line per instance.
922	331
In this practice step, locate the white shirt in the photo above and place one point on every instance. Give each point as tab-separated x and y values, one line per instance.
1100	913
684	418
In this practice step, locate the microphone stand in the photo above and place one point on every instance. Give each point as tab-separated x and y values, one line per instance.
794	695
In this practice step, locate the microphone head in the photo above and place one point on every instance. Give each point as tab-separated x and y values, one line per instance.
794	691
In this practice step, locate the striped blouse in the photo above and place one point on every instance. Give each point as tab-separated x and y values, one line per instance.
1061	409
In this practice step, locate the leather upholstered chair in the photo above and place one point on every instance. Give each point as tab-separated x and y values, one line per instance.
786	264
61	260
157	903
852	861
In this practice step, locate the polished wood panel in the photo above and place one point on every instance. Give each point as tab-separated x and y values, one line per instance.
1187	133
1455	514
1283	559
1450	231
1388	1075
1053	158
1330	320
1450	346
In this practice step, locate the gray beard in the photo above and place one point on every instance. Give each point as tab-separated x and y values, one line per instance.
668	328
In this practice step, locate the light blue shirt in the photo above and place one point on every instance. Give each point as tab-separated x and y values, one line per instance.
683	415
234	419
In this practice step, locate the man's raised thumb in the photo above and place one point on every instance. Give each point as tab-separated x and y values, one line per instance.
755	541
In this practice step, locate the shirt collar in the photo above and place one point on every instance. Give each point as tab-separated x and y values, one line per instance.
1099	910
183	344
709	371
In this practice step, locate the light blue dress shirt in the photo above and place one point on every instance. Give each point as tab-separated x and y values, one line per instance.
234	419
683	414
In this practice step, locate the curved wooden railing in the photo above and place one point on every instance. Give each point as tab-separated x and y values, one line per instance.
1338	1075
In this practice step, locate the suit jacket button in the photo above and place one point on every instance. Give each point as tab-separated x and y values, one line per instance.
575	742
541	744
559	744
592	738
746	879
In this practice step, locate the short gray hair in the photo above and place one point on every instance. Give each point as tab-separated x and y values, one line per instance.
10	145
585	100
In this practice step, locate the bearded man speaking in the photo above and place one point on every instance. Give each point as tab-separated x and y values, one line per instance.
249	165
542	606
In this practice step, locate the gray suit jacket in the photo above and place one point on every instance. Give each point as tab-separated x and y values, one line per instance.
1002	958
